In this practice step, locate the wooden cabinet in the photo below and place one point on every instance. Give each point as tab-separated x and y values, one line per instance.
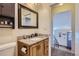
46	47
36	49
7	15
21	45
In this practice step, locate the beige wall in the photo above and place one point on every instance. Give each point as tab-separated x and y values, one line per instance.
10	35
65	7
44	13
44	19
77	30
77	17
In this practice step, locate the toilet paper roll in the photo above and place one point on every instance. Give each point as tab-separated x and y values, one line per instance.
23	49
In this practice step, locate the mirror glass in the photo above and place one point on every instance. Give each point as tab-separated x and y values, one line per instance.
27	17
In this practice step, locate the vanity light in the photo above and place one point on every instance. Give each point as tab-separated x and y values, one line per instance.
37	6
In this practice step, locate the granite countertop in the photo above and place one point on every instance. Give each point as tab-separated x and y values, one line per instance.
33	40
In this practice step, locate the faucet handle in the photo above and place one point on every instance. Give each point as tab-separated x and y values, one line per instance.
36	34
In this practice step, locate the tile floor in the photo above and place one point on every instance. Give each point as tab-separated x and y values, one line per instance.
57	52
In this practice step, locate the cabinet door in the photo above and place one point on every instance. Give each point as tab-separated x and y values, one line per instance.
46	47
37	49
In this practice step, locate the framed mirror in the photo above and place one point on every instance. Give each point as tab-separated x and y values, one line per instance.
27	18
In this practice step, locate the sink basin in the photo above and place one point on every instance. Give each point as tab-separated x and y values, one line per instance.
35	39
32	40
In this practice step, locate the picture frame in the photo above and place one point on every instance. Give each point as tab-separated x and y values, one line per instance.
27	18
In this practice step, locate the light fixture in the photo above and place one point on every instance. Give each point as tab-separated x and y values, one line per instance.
37	6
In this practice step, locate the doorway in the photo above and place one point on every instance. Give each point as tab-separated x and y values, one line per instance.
62	40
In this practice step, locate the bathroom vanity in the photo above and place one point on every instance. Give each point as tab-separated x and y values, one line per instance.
36	46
